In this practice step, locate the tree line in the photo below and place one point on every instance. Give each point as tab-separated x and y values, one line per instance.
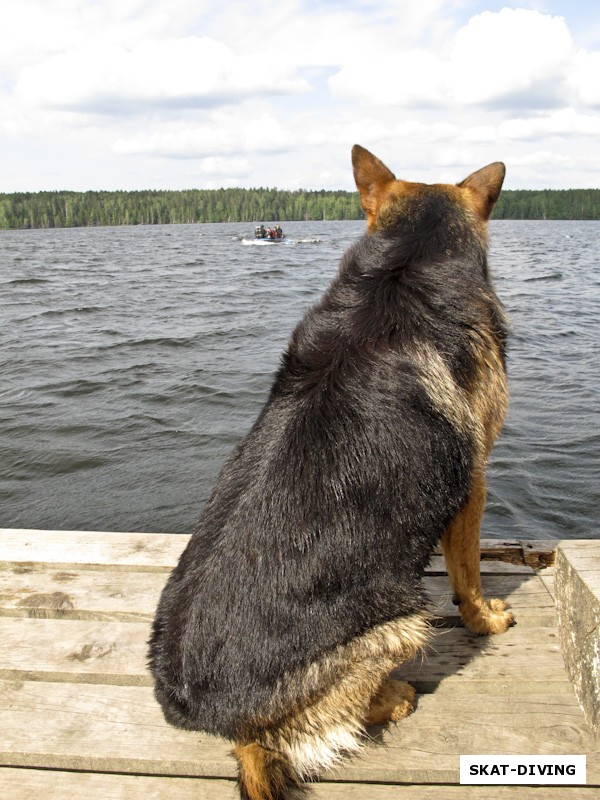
76	209
548	204
64	209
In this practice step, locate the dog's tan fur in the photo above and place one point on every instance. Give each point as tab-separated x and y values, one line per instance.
359	694
482	408
335	700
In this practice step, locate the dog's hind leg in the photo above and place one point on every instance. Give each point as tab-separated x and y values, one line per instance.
461	548
335	699
393	701
266	774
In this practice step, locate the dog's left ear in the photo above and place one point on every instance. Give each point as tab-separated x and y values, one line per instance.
372	179
484	187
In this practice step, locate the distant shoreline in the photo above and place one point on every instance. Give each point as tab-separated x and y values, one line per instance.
66	209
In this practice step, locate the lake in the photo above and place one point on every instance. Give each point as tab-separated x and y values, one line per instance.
134	358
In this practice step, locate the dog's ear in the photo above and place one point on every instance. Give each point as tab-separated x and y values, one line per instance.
484	187
372	179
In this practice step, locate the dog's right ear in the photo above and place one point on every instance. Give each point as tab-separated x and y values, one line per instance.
484	187
372	179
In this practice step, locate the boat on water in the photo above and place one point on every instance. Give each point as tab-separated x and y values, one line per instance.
274	235
268	236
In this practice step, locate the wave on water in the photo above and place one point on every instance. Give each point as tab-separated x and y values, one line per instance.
287	241
551	276
153	342
74	310
25	281
268	242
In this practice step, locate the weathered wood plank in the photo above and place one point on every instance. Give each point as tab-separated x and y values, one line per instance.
446	725
44	784
160	551
75	651
120	729
491	566
153	552
578	606
75	610
537	554
44	592
100	728
520	654
527	595
540	553
115	652
548	579
32	784
580	545
47	593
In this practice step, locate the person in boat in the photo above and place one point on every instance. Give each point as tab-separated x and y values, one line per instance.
260	232
278	232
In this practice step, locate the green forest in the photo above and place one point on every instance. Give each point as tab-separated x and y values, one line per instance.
80	209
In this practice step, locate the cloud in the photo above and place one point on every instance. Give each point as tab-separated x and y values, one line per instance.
413	78
214	167
324	33
29	29
511	58
143	92
565	123
190	72
32	30
113	57
219	136
512	55
585	78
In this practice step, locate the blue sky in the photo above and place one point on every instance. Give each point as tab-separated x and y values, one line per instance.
133	94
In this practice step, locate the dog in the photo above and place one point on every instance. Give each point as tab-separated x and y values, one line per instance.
301	587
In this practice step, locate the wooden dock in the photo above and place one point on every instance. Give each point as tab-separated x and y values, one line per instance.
78	717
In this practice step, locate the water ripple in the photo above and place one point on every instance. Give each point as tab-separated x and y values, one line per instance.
134	359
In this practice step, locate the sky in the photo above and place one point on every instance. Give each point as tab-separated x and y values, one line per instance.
179	94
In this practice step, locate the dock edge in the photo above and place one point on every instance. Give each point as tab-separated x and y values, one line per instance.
577	585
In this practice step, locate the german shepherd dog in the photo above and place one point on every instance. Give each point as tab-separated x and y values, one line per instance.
300	589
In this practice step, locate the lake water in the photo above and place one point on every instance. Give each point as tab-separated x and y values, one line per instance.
133	359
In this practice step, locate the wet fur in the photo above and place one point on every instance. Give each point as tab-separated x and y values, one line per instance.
300	589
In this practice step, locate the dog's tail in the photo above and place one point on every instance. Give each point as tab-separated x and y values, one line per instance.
267	774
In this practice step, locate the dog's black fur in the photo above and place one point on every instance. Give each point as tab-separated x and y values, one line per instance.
323	519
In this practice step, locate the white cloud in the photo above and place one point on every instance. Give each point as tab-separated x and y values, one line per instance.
31	30
188	72
542	158
564	123
220	135
405	78
216	166
515	52
259	92
585	78
327	33
514	56
109	55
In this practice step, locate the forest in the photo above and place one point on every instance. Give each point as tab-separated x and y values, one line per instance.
65	209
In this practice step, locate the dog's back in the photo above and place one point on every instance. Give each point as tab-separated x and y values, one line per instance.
301	587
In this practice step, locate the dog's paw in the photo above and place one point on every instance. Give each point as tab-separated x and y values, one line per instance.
497	605
392	702
487	617
401	696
